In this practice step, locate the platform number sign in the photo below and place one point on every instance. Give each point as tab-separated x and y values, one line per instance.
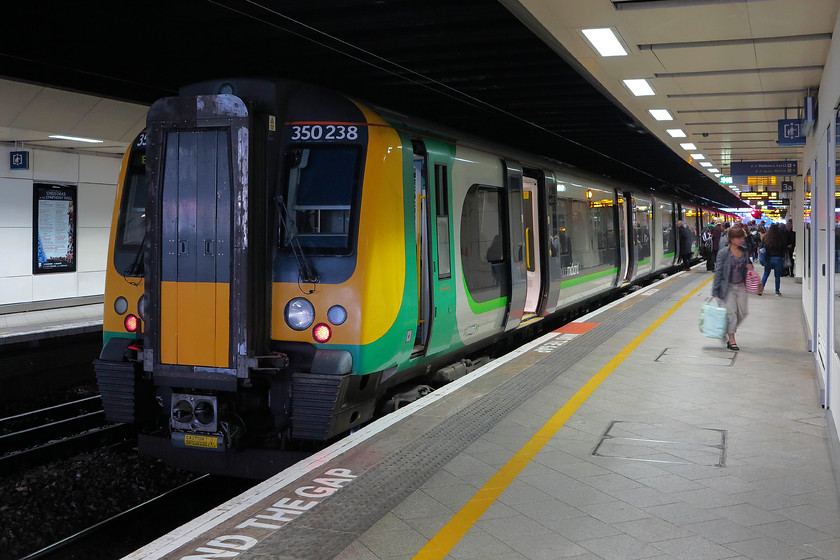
19	160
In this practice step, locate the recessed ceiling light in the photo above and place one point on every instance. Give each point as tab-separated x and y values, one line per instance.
605	41
639	87
75	139
706	163
713	170
688	146
676	132
661	114
698	156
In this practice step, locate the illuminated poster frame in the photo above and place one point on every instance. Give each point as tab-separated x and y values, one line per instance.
53	228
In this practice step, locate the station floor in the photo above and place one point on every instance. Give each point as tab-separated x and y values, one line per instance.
26	326
652	442
686	451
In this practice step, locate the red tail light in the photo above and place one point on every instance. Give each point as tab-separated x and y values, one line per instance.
131	323
322	332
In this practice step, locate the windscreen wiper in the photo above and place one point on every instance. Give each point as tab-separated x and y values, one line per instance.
137	268
306	270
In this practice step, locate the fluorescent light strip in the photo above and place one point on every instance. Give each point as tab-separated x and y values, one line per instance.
76	139
661	114
676	132
688	146
639	87
714	170
605	41
706	163
698	156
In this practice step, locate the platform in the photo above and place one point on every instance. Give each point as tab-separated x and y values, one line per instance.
627	435
26	326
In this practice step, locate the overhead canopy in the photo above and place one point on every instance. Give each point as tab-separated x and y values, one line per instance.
470	65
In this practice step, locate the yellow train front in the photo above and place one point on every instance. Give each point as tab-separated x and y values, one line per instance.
275	271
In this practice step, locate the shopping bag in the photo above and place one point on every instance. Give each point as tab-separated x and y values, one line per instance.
713	318
752	281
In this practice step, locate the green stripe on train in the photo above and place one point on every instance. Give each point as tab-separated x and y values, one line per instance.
484	306
588	278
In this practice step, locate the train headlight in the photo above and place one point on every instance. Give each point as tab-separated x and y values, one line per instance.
337	315
299	314
120	305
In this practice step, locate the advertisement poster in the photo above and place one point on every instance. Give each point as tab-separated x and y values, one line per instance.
54	228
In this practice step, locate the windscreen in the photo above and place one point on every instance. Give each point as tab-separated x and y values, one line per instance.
131	225
322	193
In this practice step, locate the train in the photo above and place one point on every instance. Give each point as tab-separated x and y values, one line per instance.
286	262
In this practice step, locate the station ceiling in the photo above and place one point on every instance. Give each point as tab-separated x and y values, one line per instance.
515	72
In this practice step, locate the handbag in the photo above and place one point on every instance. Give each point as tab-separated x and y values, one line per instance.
713	318
752	282
762	256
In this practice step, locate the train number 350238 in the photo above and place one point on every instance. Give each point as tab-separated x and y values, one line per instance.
324	132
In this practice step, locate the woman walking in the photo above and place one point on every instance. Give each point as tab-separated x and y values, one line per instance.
731	268
774	258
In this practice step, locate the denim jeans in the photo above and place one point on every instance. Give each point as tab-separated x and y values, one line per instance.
776	264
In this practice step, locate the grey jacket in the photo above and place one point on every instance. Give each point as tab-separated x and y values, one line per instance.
720	287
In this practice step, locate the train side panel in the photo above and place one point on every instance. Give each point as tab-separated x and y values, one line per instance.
481	281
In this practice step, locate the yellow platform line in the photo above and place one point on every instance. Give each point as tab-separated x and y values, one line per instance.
446	539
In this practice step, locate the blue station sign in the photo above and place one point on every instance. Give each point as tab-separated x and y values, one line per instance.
791	132
764	168
18	159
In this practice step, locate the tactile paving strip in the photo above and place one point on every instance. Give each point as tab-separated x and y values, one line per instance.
325	531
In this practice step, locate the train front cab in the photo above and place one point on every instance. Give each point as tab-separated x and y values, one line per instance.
279	318
118	369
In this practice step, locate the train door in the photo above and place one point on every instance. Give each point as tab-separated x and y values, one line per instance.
421	228
625	248
439	158
530	214
195	287
516	241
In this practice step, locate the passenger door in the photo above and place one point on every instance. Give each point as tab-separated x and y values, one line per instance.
516	240
444	328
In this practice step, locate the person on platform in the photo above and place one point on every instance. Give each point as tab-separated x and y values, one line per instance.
729	285
790	243
714	236
685	245
774	258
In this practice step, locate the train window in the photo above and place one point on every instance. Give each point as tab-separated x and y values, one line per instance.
322	188
483	253
131	224
442	221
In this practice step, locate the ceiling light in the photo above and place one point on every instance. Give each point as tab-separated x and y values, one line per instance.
706	163
688	146
676	132
639	87
713	170
661	114
76	139
605	41
698	156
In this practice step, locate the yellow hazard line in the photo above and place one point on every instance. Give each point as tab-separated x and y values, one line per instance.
446	539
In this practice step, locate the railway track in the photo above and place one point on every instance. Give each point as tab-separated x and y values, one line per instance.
127	531
58	431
